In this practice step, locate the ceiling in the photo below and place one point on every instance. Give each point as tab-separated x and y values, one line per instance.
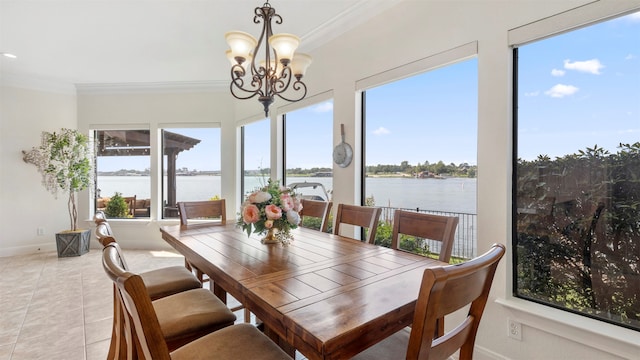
153	41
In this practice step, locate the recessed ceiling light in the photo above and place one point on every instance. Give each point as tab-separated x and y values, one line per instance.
11	56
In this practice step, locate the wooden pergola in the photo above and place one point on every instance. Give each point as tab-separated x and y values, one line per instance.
137	143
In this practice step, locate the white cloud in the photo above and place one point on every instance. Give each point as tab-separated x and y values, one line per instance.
628	131
324	107
592	66
557	72
630	57
381	131
533	93
561	90
634	17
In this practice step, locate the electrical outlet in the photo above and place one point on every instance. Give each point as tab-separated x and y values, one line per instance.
515	329
40	231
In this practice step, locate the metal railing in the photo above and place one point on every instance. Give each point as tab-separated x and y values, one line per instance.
464	244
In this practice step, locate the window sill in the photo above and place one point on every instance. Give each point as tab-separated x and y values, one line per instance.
139	220
614	339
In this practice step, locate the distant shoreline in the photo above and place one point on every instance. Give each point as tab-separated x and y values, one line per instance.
212	173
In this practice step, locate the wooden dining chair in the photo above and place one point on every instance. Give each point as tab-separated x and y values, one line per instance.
213	210
182	317
443	291
427	226
99	217
316	209
242	341
363	216
160	283
208	209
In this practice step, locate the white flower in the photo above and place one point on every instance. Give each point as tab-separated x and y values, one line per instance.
259	197
293	217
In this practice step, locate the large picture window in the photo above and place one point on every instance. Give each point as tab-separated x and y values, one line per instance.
256	155
421	150
308	148
122	173
576	230
190	166
190	169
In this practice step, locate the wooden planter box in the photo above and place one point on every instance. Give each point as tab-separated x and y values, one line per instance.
73	243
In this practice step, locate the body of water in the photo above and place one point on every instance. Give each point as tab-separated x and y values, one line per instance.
452	194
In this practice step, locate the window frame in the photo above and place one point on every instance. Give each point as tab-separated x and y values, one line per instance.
118	127
419	67
520	37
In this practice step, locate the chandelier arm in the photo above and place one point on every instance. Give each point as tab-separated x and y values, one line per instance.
237	87
296	86
281	83
234	91
278	18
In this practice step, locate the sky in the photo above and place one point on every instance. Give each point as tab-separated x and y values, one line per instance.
580	89
576	90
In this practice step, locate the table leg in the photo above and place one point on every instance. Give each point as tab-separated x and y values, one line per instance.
219	292
284	345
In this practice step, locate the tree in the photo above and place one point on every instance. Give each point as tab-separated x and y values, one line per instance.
581	246
63	160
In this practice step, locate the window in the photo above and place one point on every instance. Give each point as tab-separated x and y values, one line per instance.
256	155
191	166
576	229
308	153
122	171
420	151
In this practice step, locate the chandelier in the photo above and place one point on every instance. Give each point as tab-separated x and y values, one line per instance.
279	68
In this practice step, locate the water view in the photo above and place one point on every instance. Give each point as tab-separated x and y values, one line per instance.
451	194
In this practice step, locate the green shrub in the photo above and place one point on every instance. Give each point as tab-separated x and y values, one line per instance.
117	207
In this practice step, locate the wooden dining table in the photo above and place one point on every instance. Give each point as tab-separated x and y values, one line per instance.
324	295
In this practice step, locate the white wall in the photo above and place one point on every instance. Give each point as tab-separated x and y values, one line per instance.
25	205
408	32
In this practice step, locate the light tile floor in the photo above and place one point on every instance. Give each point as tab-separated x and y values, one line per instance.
61	308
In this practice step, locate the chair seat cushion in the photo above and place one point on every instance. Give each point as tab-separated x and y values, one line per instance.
191	314
241	341
168	281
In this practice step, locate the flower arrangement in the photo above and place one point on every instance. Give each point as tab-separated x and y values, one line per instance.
272	209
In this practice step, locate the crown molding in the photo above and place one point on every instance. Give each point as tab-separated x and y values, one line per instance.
350	18
151	87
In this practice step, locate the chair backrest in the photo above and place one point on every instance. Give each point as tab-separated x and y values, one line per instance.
103	229
208	209
364	216
99	217
131	203
426	226
317	209
134	298
445	290
114	244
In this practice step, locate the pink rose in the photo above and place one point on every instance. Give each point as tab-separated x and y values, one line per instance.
287	201
268	224
273	212
250	214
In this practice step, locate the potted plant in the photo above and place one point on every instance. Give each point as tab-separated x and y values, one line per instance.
63	159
